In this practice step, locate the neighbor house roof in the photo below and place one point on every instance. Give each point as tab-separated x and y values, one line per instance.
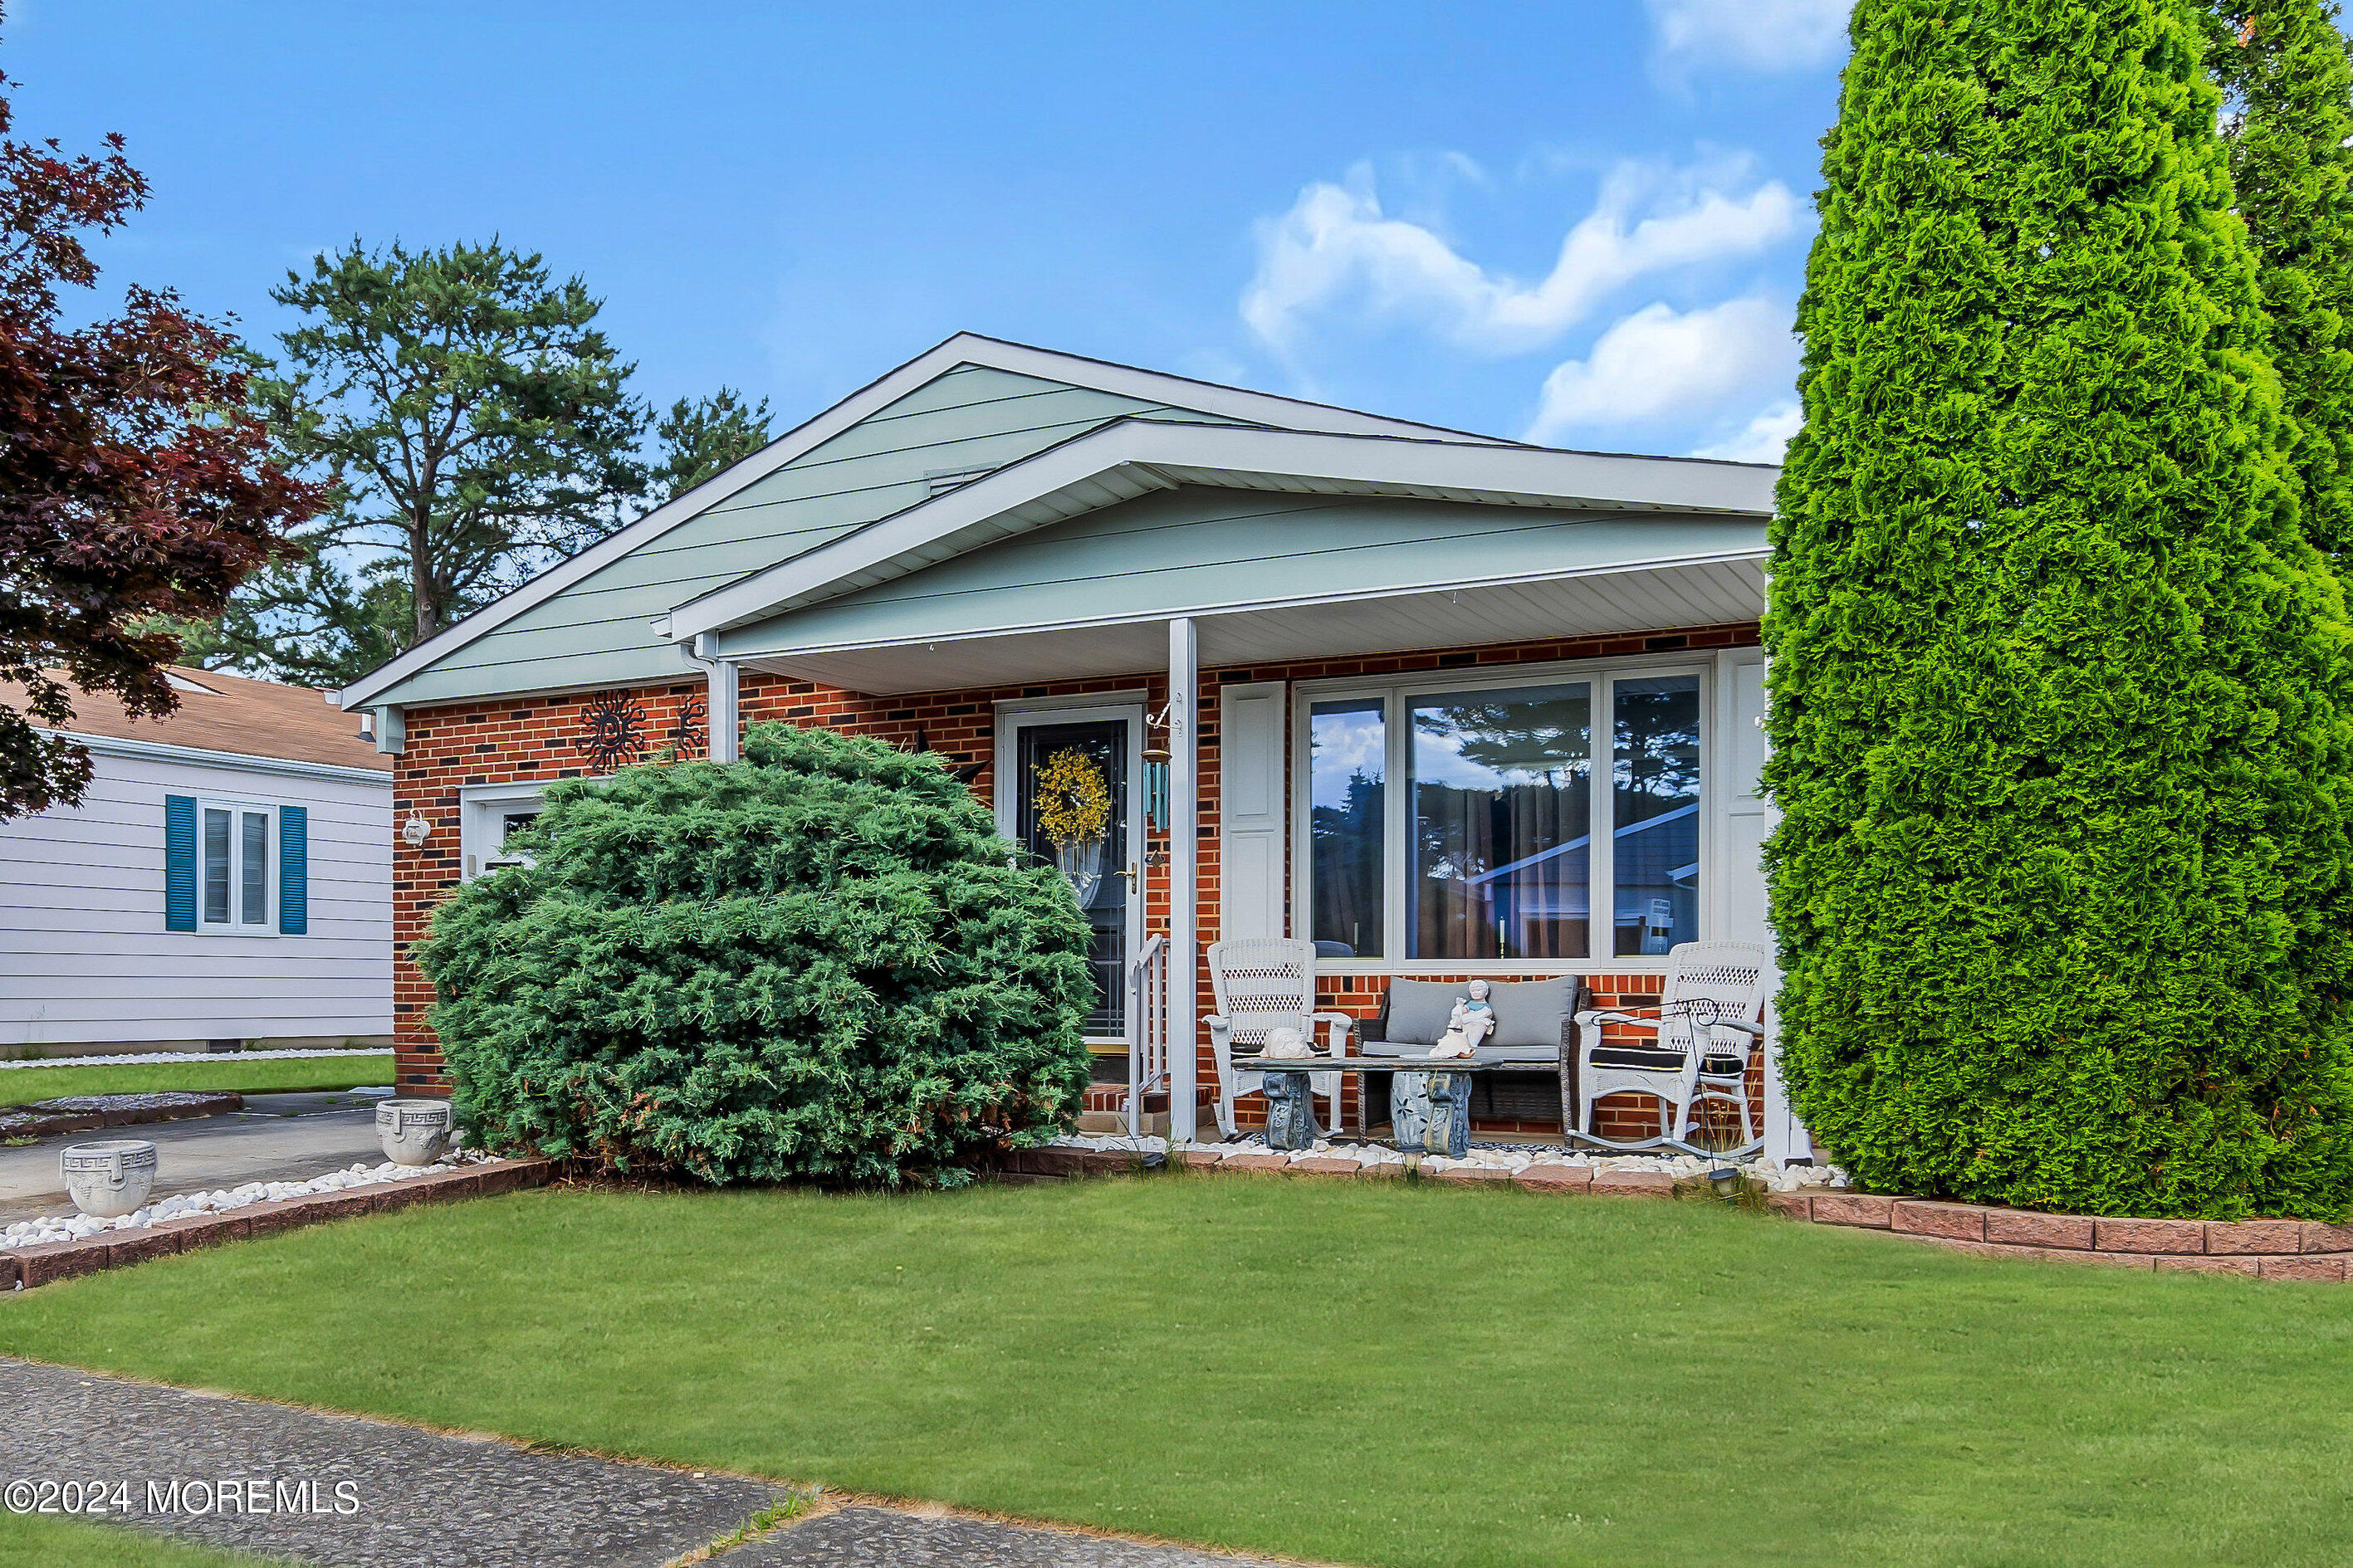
229	713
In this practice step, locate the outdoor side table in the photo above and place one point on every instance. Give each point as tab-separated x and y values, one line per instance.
1291	1116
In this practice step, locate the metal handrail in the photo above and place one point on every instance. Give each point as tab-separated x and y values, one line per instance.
1147	1039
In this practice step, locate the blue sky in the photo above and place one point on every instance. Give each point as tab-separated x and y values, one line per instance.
1582	222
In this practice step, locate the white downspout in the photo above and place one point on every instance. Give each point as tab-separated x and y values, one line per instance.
720	711
1184	873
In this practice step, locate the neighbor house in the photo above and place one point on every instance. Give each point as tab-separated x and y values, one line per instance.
224	882
1443	704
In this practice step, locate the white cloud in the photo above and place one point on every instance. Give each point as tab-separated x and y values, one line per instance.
1763	439
1659	362
1337	247
1762	35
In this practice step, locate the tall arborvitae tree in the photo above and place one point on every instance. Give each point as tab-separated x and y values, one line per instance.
2057	682
2288	99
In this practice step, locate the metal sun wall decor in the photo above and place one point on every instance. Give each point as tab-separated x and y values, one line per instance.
686	736
612	730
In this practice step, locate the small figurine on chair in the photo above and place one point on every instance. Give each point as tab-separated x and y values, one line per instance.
1472	1020
1289	1101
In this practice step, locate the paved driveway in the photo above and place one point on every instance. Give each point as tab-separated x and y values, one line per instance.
277	1138
342	1491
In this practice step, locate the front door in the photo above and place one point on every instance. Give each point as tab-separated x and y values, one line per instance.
1073	805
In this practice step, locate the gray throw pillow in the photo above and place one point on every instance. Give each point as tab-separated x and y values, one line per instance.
1419	1010
1528	1012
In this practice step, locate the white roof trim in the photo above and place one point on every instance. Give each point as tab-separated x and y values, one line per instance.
1130	457
239	761
1205	609
963	349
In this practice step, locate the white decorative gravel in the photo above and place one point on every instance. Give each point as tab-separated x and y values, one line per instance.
81	1226
136	1057
1770	1174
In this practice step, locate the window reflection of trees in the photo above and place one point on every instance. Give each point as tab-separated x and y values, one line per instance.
1345	838
1656	728
1501	869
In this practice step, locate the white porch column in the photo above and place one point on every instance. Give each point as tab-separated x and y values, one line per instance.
719	708
722	717
1184	872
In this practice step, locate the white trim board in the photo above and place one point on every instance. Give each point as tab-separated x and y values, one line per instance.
283	767
1130	457
1207	611
963	349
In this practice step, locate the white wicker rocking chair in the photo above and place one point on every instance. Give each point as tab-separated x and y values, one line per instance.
1264	984
1709	1024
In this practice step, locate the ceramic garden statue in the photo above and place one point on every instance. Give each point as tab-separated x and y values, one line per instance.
1290	1096
1473	1021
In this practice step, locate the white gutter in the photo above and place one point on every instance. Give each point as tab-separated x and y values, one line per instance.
240	762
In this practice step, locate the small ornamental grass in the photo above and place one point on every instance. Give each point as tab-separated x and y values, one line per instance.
821	963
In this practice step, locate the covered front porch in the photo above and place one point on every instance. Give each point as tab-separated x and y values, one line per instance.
1444	712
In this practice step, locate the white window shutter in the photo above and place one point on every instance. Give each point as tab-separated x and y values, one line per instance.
1252	823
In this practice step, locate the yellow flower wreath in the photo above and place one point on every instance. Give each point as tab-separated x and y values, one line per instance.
1073	800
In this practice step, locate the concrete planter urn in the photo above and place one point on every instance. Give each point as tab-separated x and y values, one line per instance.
413	1132
111	1179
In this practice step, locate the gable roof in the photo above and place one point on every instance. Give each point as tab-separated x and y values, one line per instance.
1128	457
963	349
229	713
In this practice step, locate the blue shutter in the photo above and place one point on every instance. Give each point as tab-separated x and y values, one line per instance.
294	869
179	862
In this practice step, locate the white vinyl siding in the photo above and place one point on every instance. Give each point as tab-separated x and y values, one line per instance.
84	955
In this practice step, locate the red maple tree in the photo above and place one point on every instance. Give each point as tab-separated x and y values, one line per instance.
136	484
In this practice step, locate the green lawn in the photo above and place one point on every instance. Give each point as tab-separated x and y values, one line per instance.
268	1074
1356	1371
32	1541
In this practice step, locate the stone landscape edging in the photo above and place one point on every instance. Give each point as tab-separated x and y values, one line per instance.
2262	1248
23	1121
23	1267
2257	1249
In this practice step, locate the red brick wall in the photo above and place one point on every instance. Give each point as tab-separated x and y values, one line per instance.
523	738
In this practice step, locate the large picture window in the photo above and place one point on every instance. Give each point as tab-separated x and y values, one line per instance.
1347	767
1500	846
1488	853
1655	803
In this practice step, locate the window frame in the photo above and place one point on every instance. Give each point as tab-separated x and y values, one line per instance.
1398	690
238	809
482	829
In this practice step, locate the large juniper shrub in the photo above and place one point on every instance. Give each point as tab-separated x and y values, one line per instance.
819	963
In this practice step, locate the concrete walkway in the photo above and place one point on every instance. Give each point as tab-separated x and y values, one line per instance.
277	1138
342	1491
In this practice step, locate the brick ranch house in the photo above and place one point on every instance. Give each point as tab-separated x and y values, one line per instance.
1447	705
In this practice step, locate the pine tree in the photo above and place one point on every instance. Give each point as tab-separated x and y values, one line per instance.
821	963
2058	687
